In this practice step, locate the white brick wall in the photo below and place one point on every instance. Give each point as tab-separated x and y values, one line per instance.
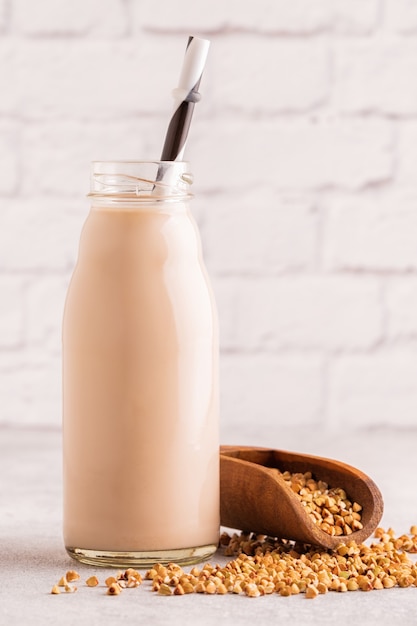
401	16
304	150
3	14
374	232
299	313
9	139
310	153
105	18
401	305
376	76
374	390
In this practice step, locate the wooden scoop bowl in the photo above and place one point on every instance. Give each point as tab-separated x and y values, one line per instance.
255	498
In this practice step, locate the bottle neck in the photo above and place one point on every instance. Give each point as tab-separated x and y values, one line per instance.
140	183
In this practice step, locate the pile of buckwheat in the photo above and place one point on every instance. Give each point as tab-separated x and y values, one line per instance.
329	508
263	565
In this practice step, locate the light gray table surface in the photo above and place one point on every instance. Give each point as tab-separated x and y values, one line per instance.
32	556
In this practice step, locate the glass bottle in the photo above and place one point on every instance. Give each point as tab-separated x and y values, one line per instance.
140	376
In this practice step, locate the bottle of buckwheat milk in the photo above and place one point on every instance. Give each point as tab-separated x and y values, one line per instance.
140	376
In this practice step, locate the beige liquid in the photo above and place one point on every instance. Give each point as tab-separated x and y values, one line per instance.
141	464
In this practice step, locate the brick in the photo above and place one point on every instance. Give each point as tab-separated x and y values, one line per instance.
266	84
401	308
406	171
30	389
4	13
87	78
38	234
11	312
401	16
9	161
270	390
355	16
45	299
57	156
256	233
298	312
297	16
78	17
373	390
375	231
376	76
312	153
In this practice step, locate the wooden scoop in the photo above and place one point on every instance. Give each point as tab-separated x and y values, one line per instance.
254	497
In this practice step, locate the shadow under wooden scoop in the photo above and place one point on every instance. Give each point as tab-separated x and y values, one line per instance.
254	497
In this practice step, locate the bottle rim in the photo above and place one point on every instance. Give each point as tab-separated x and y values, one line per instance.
141	180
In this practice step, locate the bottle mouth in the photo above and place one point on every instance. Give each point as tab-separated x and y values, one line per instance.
156	180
